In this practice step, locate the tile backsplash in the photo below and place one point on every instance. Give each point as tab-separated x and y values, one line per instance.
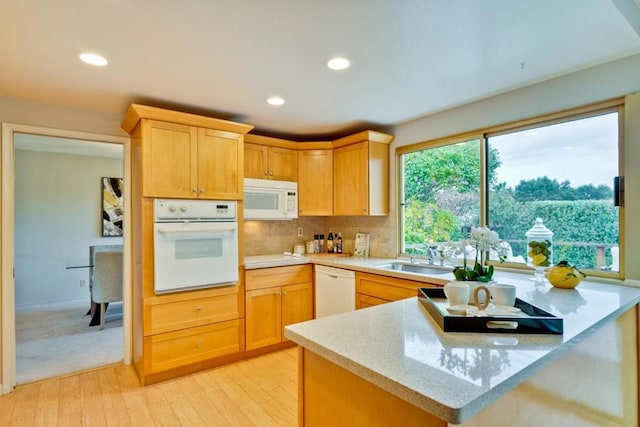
273	237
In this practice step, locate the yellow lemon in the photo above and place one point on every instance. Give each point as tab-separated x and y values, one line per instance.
563	275
538	259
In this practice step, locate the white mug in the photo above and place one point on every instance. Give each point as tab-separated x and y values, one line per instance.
457	293
503	294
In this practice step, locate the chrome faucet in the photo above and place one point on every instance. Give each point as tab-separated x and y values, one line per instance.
431	253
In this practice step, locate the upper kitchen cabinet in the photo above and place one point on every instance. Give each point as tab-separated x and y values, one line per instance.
361	174
185	155
315	182
270	158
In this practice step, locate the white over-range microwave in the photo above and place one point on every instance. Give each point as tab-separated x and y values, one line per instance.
270	199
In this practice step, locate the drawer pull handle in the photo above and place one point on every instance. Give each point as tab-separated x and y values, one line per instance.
198	308
199	344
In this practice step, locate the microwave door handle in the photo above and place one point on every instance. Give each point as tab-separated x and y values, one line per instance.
213	229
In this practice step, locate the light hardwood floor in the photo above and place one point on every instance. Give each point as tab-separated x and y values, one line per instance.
256	392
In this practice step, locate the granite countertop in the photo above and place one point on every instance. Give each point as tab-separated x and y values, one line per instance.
399	347
363	264
274	260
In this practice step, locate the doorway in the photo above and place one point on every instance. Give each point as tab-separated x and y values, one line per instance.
63	297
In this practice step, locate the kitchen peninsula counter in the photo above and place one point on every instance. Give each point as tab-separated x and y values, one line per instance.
393	364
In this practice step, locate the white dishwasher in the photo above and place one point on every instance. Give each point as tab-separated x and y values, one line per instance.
335	291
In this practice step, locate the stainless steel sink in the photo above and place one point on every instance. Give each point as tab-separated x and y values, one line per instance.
415	268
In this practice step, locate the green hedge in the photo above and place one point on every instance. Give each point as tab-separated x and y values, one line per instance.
581	221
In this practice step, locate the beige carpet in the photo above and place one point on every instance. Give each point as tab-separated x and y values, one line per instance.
55	339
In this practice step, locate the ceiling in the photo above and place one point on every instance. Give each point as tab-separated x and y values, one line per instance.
224	58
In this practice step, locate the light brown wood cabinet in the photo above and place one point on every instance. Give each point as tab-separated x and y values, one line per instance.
274	298
173	154
181	161
185	328
374	289
315	182
361	174
264	162
187	156
347	176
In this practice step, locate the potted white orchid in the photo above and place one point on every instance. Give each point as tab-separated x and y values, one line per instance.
483	240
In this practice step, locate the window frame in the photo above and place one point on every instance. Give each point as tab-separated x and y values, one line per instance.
483	134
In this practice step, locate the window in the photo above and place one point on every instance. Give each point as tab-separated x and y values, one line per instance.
441	193
562	173
559	168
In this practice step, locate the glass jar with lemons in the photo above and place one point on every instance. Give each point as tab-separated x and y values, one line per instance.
539	249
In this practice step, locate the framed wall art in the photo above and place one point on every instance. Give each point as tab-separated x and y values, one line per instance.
112	206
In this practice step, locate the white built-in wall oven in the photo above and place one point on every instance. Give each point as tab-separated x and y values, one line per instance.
195	244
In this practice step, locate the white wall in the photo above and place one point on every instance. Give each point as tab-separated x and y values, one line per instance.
607	81
57	216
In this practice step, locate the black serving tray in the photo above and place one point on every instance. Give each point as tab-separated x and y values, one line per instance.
534	320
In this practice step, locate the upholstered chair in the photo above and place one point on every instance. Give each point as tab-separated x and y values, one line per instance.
107	281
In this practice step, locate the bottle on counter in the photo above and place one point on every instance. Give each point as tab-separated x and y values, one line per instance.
321	241
330	242
316	244
339	243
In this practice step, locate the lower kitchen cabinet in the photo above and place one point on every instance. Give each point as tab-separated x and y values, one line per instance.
374	289
183	347
276	297
186	328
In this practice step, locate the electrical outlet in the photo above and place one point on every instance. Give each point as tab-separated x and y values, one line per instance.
83	283
299	231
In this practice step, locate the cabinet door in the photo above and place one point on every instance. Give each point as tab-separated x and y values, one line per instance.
297	304
315	182
169	160
283	164
219	165
351	180
256	161
263	317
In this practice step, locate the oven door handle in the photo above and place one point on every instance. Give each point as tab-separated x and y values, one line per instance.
210	229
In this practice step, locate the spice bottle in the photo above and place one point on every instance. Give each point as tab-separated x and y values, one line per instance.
330	242
339	243
321	241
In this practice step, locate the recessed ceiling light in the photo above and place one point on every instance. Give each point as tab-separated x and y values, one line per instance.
338	63
275	100
93	59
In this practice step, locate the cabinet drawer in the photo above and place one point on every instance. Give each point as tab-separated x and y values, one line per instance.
384	291
176	349
364	301
262	278
175	315
387	288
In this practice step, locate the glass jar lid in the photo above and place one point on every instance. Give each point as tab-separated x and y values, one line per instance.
539	231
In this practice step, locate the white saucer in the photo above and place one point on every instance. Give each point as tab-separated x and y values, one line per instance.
503	310
460	309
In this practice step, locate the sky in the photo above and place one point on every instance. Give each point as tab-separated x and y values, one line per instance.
581	151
